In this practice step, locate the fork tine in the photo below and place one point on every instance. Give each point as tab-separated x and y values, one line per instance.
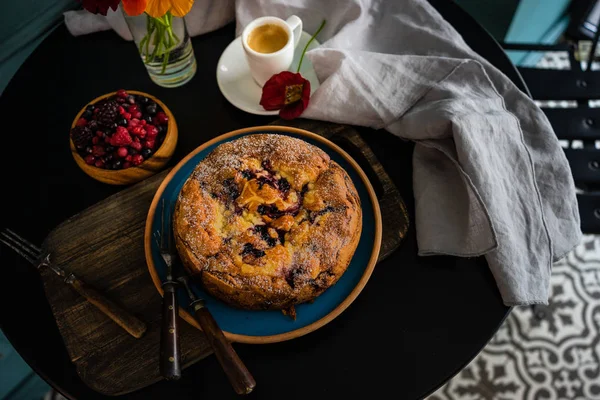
24	241
19	251
21	243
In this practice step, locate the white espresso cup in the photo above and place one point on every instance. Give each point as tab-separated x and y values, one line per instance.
264	65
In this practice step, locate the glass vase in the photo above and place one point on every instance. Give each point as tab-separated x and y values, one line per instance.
165	47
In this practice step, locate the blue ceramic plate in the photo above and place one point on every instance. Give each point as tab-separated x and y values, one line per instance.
247	326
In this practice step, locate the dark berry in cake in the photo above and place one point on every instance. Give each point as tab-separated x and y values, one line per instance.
120	131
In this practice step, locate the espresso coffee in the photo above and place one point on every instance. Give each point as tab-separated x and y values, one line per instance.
267	38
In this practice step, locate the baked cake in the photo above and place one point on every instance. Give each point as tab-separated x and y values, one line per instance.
267	221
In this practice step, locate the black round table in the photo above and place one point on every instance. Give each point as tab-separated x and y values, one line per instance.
418	321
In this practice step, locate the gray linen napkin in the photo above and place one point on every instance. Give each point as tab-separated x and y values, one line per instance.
490	177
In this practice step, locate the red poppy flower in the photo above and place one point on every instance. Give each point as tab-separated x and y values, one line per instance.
100	6
287	92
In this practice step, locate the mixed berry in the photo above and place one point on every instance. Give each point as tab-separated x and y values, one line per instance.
120	131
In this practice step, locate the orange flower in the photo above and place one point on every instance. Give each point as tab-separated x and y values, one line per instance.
134	7
158	8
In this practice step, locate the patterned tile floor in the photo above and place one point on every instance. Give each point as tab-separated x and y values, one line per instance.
544	352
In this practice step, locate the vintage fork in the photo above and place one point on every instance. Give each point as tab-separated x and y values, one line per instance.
170	359
40	259
237	373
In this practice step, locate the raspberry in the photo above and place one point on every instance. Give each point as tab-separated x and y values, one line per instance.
136	146
98	151
95	140
133	108
138	131
149	144
81	122
151	131
137	159
126	164
121	137
133	122
90	159
122	93
161	118
99	163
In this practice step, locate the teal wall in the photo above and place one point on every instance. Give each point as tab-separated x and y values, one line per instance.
524	21
17	380
23	25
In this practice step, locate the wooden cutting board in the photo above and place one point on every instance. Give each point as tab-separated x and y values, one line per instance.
104	246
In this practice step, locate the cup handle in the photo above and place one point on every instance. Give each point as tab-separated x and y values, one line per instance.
295	24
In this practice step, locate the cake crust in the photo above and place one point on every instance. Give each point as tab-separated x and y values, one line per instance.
267	221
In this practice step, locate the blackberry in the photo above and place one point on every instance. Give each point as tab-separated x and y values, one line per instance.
108	113
93	125
81	136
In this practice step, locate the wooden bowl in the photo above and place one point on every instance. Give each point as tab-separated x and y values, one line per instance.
137	173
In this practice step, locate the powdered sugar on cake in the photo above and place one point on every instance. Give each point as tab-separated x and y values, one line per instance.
267	221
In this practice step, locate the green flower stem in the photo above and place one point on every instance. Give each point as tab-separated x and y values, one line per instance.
159	33
308	44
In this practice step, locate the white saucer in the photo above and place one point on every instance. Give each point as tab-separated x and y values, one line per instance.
237	85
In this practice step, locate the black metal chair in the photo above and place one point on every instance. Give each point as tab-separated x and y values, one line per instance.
577	126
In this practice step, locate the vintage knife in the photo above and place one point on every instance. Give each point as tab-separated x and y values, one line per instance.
237	373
